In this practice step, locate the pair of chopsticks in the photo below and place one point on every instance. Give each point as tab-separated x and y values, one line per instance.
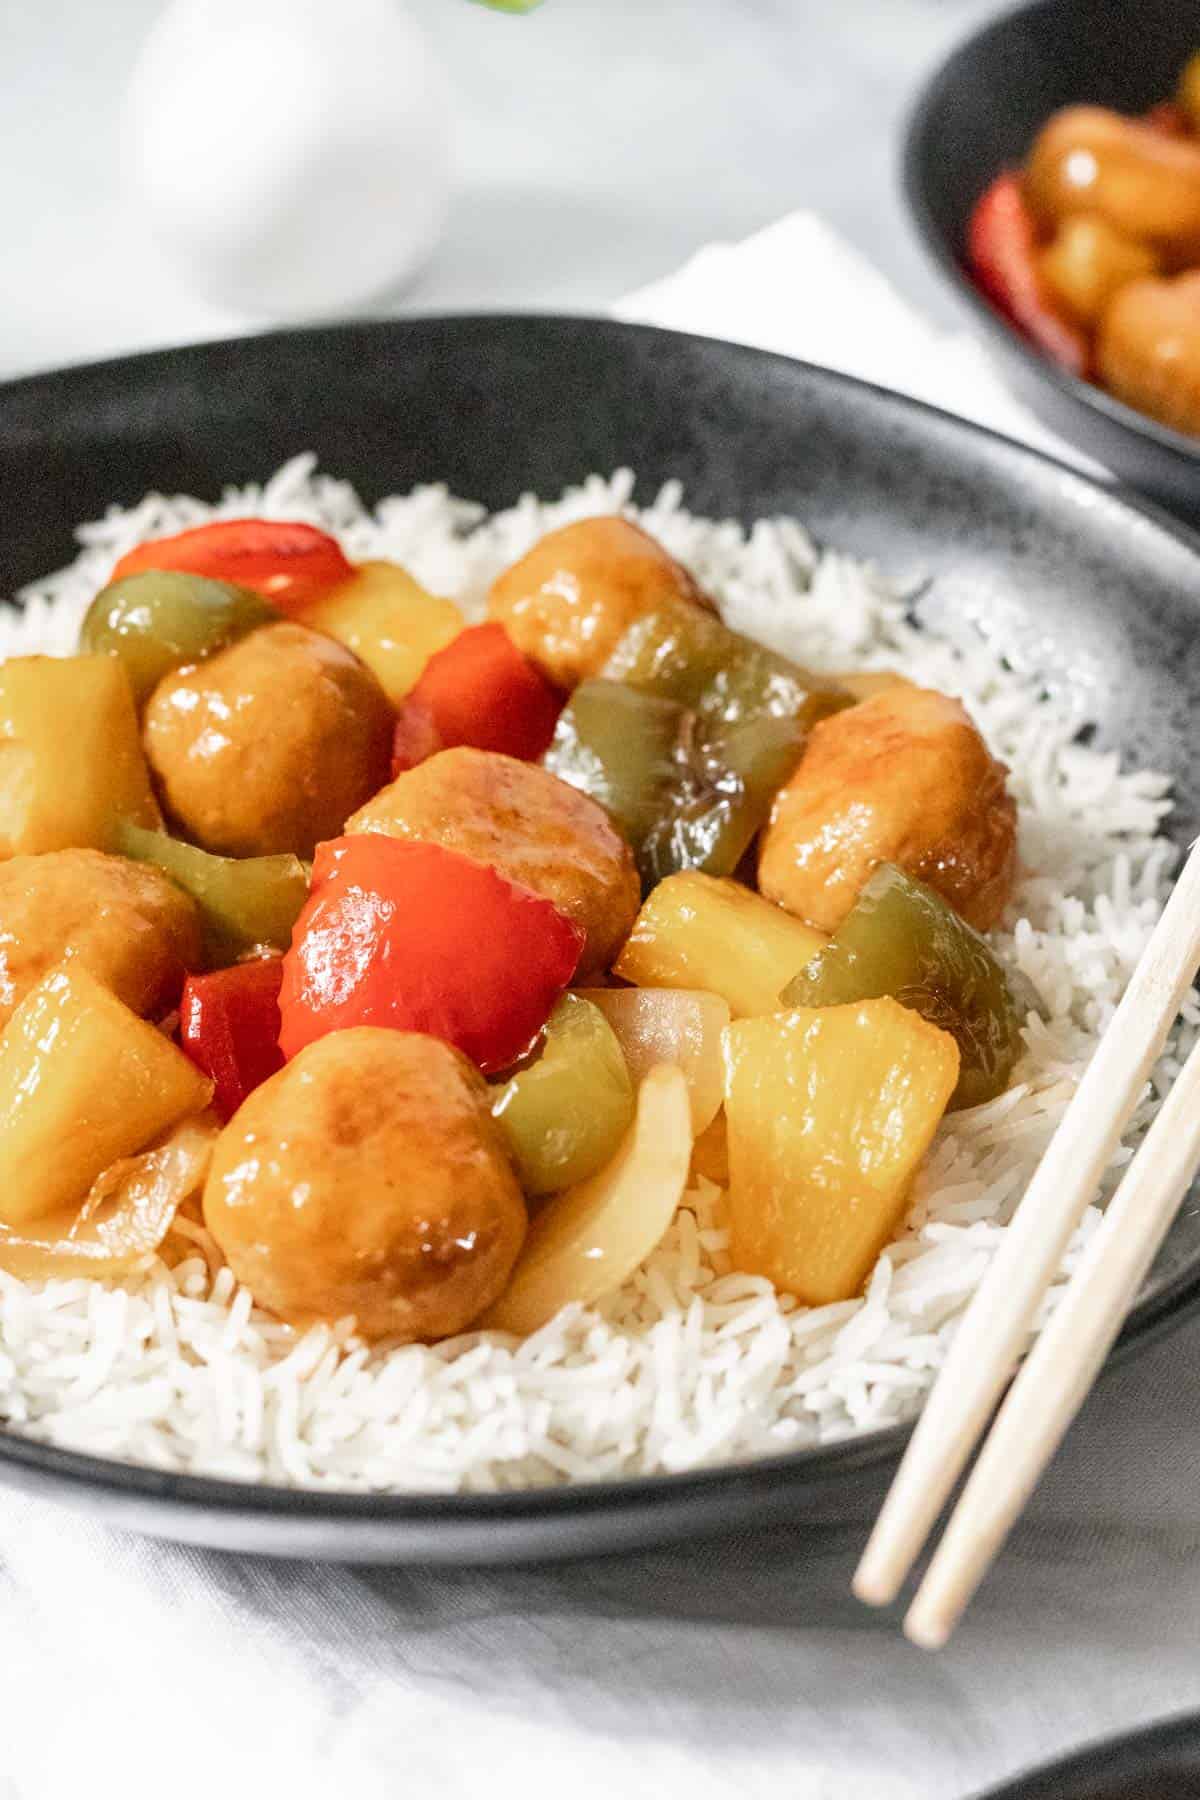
1059	1371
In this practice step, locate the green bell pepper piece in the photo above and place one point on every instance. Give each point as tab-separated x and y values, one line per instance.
626	749
157	620
245	904
688	792
683	653
903	940
565	1114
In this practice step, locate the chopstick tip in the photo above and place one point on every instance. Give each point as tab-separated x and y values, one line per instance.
872	1584
927	1628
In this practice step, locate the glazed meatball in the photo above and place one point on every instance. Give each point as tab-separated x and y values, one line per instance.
567	602
904	778
1148	350
1143	183
369	1177
270	744
125	923
530	826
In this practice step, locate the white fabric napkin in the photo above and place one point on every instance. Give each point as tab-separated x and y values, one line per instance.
798	288
737	1666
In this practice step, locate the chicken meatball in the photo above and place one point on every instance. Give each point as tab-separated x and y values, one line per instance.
530	826
125	923
574	595
1148	350
369	1177
1145	184
903	778
270	744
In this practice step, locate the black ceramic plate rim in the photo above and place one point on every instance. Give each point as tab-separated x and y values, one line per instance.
177	1501
1091	1773
997	327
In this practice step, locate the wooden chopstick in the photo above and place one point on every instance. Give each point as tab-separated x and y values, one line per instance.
1063	1364
995	1328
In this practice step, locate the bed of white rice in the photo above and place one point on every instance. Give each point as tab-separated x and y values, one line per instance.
690	1363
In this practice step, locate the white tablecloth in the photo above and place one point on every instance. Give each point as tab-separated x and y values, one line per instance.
739	1666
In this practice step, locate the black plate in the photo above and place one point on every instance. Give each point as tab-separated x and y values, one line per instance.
1162	1763
1072	574
978	115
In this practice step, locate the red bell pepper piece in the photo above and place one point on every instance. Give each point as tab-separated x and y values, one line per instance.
288	563
416	736
481	691
416	937
1002	251
229	1026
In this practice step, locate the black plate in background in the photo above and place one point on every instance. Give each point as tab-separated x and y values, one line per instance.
1161	1763
1075	579
978	115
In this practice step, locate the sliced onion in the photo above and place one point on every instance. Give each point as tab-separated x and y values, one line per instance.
682	1026
590	1238
127	1213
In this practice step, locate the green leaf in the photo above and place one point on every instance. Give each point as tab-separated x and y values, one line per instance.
511	6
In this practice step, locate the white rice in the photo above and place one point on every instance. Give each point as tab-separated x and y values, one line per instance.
690	1363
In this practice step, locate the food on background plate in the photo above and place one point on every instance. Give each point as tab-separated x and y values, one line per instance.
1148	349
1002	250
1092	250
637	996
1142	181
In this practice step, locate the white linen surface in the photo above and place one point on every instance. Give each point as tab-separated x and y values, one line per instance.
736	1666
798	288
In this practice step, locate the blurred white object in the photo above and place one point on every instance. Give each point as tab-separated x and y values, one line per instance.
291	157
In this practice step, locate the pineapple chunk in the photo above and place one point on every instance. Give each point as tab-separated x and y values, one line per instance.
699	932
389	621
71	760
829	1111
83	1083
